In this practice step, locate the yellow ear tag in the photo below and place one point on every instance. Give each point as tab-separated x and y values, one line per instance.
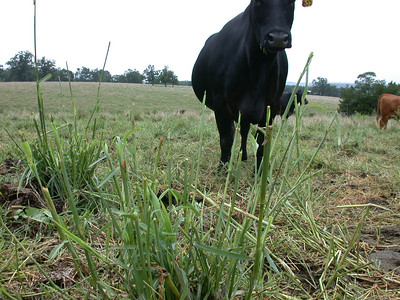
307	3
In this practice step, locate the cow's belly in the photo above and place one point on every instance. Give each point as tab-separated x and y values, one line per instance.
252	110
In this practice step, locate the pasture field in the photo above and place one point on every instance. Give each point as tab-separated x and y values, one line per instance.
152	216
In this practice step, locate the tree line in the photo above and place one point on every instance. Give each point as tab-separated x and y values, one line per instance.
21	67
360	97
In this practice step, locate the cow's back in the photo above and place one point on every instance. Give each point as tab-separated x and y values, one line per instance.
389	103
199	73
216	61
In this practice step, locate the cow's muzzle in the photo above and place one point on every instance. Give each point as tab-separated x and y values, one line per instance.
277	41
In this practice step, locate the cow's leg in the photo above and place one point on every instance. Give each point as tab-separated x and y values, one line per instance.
383	122
261	136
244	131
226	133
260	150
260	142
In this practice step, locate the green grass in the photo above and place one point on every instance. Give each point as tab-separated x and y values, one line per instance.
115	98
205	243
118	103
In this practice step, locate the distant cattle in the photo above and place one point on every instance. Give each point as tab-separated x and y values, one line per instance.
285	100
243	69
388	107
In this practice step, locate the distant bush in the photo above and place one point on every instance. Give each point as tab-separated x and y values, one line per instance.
363	96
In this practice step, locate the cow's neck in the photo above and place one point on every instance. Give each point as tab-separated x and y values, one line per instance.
260	61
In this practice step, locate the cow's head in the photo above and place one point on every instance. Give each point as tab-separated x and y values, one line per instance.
271	22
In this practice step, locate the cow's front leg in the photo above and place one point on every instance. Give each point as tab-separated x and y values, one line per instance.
261	142
244	131
260	150
226	133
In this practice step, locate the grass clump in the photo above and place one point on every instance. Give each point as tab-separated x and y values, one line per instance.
64	159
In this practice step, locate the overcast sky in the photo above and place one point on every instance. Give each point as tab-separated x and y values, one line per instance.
348	37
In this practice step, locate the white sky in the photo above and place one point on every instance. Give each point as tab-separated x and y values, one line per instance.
348	37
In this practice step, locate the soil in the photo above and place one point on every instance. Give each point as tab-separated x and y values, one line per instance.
12	196
386	242
381	232
9	166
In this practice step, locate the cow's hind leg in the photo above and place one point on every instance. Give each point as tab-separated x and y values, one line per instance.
383	122
226	134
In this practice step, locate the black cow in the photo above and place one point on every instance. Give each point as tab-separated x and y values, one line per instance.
243	68
284	101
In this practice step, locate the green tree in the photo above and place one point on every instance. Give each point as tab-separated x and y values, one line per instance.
134	76
167	76
151	75
46	67
21	67
363	96
2	73
107	77
119	78
392	88
96	74
63	75
321	87
367	84
130	76
84	74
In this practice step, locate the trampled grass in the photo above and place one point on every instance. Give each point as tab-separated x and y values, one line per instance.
203	244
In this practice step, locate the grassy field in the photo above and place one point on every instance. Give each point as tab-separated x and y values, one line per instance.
115	98
152	216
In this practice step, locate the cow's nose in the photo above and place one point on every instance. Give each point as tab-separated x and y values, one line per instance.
278	40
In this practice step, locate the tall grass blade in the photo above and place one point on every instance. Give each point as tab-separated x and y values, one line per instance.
97	105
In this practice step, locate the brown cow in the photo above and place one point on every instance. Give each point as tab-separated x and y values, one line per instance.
388	106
